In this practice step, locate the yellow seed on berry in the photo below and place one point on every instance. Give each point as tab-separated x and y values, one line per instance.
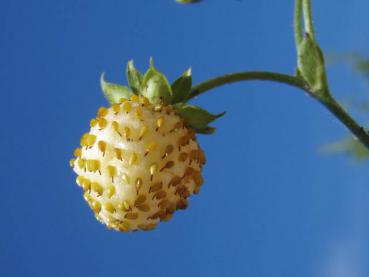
160	122
93	165
182	156
138	184
102	122
71	163
139	113
198	179
115	108
112	171
144	208
115	127
160	194
102	112
83	140
132	159
110	191
80	180
168	150
77	152
151	147
124	226
86	184
131	216
126	132
93	122
153	168
202	158
81	163
118	153
102	146
167	217
109	207
140	200
97	188
96	206
143	131
168	165
144	101
124	206
127	107
135	98
156	187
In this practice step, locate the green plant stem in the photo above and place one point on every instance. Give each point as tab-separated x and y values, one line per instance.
247	76
297	22
337	110
327	100
308	18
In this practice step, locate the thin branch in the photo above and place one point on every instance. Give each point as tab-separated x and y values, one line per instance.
328	101
247	76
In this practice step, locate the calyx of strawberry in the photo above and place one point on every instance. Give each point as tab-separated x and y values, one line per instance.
155	87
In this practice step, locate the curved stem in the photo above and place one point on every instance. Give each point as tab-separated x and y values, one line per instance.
247	76
327	100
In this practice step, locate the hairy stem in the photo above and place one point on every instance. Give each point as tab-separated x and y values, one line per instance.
328	101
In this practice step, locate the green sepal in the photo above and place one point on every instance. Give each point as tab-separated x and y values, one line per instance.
311	65
134	77
155	87
114	92
181	87
205	131
196	117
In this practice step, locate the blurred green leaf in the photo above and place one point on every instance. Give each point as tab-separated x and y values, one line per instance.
350	147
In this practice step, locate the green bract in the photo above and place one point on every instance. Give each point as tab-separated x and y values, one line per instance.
311	66
134	77
182	87
196	117
114	92
156	88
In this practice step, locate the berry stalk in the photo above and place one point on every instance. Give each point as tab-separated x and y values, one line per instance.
324	98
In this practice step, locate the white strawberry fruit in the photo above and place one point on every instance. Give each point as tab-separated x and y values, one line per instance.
141	161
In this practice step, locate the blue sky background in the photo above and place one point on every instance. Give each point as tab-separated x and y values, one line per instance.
272	204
